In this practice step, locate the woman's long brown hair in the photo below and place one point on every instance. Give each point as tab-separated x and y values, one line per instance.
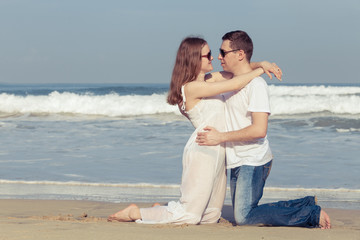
187	67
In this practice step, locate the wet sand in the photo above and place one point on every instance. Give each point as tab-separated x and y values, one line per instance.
58	219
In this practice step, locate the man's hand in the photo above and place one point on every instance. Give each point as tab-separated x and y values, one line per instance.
211	137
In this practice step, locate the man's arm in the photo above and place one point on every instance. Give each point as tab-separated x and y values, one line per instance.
256	130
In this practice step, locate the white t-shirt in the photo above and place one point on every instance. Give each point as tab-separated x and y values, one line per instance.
239	106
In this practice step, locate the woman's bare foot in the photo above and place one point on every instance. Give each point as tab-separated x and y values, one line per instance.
324	221
129	214
156	204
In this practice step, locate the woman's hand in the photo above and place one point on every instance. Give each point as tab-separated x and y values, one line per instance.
269	68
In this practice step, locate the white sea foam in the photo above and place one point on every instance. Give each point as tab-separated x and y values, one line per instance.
312	99
284	100
148	185
341	130
75	183
112	105
144	192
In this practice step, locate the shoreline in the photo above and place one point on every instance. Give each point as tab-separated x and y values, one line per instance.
75	219
339	198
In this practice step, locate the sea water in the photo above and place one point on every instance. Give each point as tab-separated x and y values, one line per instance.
124	143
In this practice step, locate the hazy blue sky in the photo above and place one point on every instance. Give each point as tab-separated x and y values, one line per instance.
87	41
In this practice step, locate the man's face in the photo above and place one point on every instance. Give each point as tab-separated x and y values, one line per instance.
230	60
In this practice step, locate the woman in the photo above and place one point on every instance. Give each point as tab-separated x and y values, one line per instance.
203	185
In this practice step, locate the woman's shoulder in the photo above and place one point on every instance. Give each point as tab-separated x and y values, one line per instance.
218	76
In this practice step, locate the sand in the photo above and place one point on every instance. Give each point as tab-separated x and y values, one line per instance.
53	219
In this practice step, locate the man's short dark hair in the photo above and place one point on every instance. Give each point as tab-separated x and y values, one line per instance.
240	40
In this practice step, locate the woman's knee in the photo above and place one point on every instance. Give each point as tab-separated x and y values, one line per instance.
194	219
211	216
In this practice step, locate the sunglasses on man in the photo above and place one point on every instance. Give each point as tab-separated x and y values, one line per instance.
223	53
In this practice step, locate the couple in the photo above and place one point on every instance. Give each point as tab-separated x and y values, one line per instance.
242	124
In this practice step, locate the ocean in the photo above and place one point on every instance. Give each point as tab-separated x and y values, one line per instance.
124	143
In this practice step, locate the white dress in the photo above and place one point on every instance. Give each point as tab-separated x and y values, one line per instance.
203	184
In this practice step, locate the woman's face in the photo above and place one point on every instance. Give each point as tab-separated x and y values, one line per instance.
206	59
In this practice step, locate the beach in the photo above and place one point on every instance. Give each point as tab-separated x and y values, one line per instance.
64	219
73	154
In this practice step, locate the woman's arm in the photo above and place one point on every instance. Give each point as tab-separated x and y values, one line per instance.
197	89
267	66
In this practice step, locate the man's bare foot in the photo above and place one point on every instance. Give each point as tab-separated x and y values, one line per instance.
156	204
324	221
129	214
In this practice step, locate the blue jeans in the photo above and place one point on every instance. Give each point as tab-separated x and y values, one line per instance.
247	185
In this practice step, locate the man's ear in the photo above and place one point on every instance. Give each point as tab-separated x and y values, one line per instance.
241	55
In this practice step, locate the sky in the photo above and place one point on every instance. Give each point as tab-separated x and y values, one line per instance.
112	41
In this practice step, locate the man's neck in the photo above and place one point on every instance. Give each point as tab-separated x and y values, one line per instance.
242	68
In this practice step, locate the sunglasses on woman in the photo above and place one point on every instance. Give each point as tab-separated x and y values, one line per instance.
208	56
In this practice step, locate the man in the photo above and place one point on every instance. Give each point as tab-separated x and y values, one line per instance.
248	155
